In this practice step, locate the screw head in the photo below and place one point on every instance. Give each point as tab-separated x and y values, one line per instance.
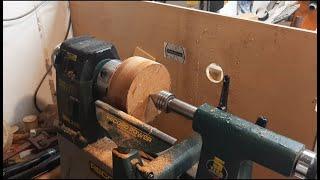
150	175
103	73
262	121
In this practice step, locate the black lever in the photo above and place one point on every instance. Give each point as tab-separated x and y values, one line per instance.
224	94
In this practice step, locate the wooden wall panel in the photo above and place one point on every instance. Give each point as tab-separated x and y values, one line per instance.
272	68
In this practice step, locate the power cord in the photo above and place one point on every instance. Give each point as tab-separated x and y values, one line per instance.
27	13
45	75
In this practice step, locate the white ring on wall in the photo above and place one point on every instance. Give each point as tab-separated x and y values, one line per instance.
215	69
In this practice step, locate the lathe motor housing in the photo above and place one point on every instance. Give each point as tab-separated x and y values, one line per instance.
78	63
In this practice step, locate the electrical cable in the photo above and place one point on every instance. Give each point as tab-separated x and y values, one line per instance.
49	69
27	13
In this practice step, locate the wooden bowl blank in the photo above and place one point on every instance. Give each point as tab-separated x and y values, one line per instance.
132	83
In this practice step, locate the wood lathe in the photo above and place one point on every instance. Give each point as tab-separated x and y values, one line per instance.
104	106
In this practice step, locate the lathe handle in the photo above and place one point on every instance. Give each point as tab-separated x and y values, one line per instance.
312	172
306	167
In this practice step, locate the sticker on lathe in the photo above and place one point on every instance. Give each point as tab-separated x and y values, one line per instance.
99	171
174	52
216	167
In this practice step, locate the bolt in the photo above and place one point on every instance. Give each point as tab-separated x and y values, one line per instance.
262	121
103	74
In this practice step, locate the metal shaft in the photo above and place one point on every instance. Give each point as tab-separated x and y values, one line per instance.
167	102
104	77
100	105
